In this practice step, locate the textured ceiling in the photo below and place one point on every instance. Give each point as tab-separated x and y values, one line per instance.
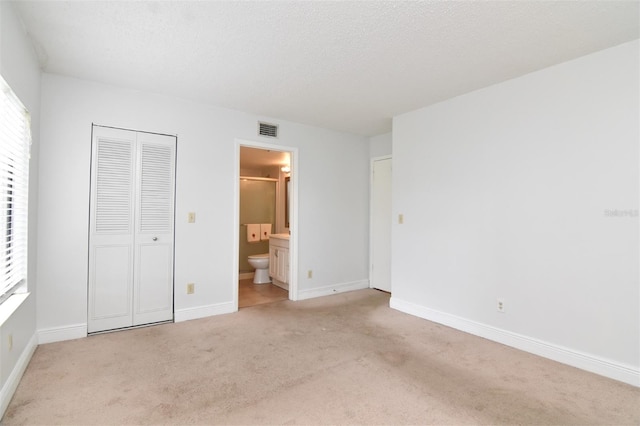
344	65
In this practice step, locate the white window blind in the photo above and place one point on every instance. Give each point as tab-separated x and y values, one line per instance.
15	144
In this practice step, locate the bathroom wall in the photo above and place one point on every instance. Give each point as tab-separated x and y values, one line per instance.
245	249
510	192
257	205
266	172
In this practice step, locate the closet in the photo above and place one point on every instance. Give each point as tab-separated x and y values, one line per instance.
131	228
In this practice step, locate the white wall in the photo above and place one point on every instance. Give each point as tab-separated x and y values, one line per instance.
504	193
380	145
333	204
19	68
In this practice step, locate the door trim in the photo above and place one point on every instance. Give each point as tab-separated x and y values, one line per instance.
293	240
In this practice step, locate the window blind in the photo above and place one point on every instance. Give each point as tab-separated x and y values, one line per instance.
15	145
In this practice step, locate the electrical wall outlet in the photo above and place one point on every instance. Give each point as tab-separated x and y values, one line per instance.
192	217
400	218
191	288
500	306
309	273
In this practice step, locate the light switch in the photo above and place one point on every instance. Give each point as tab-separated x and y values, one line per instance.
192	217
400	218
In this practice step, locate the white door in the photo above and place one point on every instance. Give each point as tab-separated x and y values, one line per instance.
153	283
131	229
381	225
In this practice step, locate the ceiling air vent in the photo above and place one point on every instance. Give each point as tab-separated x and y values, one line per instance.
266	129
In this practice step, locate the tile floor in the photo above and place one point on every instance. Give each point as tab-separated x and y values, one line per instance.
250	294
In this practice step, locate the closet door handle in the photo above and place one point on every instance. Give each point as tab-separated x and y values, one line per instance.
155	238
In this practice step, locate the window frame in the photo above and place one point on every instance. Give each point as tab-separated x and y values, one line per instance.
15	145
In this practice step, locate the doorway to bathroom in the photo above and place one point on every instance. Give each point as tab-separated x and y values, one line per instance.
258	211
266	256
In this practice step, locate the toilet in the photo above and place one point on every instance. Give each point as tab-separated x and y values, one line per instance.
261	263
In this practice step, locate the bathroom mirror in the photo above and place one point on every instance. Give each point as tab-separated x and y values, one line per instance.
287	191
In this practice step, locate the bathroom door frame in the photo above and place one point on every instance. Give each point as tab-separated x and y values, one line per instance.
293	214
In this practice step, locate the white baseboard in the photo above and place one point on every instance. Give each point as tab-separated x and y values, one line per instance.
59	334
13	380
77	331
204	311
332	289
624	373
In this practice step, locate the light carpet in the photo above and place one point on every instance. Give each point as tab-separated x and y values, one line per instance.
342	359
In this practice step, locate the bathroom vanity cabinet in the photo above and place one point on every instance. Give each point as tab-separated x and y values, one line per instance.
279	260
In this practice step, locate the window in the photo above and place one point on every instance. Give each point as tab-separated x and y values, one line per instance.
15	143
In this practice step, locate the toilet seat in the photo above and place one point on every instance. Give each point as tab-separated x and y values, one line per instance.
261	263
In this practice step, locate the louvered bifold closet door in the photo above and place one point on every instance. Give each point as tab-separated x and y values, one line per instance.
131	230
112	231
153	293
